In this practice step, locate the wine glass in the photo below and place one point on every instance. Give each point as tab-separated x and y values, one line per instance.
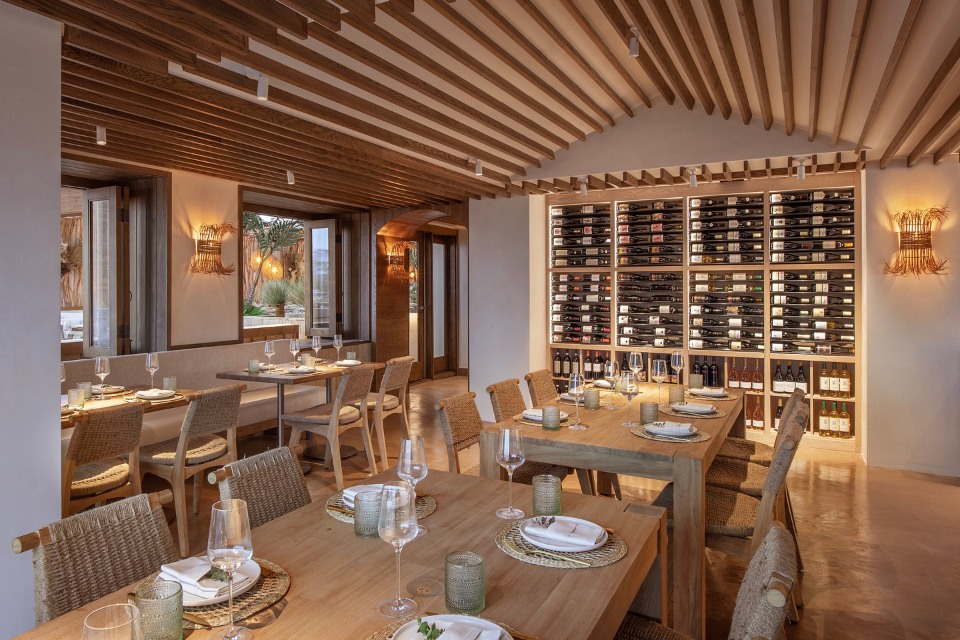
153	365
228	547
315	345
610	373
63	373
658	373
338	344
629	388
510	456
635	362
398	526
576	392
268	351
676	363
102	369
412	465
113	622
294	350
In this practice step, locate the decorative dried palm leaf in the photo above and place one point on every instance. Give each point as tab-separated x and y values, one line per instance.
71	257
209	243
915	255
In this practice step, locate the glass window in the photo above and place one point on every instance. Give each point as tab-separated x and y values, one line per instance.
321	281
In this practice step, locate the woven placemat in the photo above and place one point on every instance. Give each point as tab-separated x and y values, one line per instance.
534	423
513	544
425	506
270	589
694	396
716	413
387	632
643	433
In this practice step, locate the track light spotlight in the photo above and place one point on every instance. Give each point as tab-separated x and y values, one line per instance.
692	173
583	185
101	135
290	178
634	43
801	162
263	87
477	167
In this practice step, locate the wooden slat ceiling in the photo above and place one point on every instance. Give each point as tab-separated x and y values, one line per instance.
389	104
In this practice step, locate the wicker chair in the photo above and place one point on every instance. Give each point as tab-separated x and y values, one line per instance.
461	424
102	459
751	450
270	482
89	555
197	449
383	403
761	601
541	387
333	418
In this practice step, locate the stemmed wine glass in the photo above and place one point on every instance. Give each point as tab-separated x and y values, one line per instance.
102	369
228	547
629	388
658	373
412	466
338	344
315	345
113	622
635	362
398	526
610	373
294	350
676	363
153	365
268	351
510	456
576	392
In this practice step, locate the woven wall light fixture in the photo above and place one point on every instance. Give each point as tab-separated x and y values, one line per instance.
915	231
209	242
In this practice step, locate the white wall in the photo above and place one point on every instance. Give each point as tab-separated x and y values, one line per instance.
913	341
463	307
203	308
30	213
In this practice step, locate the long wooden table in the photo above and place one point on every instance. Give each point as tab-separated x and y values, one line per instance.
337	579
608	446
70	420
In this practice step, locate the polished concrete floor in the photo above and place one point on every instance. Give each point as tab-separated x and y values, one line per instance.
880	547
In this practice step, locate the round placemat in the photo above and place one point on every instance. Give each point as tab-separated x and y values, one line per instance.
425	506
643	433
694	396
514	545
386	633
717	413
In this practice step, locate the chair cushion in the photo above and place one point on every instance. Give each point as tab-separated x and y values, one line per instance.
737	475
389	402
749	450
199	449
636	627
321	414
729	513
100	476
525	472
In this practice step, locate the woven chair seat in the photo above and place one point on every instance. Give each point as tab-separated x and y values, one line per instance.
389	401
738	475
525	472
96	477
636	627
321	414
729	513
749	450
199	449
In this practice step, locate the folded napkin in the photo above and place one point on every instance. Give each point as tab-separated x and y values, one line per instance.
668	428
715	392
351	492
154	394
567	397
533	414
603	384
466	631
107	388
347	363
693	407
301	369
577	533
190	573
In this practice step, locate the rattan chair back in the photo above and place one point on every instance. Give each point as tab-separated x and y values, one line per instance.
506	399
788	438
355	385
794	402
270	482
764	593
213	411
110	432
541	387
396	375
461	424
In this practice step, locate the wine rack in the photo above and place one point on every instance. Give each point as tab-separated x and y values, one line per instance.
649	309
580	236
788	375
813	312
812	227
726	230
650	233
580	308
726	311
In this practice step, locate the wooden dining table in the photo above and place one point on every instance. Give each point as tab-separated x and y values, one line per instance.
69	420
338	579
608	446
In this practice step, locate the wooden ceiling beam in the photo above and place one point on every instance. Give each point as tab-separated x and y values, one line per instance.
596	183
905	27
748	21
698	43
279	15
630	179
675	39
850	68
922	103
613	181
229	17
601	45
622	27
781	19
746	170
648	34
819	37
951	145
92	43
365	9
726	172
721	34
943	124
666	177
837	162
706	173
648	178
167	11
768	166
326	14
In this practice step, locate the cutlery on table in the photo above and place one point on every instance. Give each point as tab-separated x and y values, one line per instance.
547	554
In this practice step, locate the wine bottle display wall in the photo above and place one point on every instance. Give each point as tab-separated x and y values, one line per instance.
726	311
649	233
726	230
580	236
649	309
812	312
811	227
789	375
580	308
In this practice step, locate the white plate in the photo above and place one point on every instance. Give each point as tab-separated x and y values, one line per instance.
299	371
347	363
537	415
693	408
154	394
602	384
528	529
249	569
709	392
409	630
359	488
661	429
108	390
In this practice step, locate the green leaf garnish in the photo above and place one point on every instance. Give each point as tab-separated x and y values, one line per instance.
428	631
216	574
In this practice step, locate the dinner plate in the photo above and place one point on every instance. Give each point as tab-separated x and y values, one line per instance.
658	429
537	415
409	630
300	371
347	363
709	392
107	390
693	408
155	394
528	529
602	384
248	569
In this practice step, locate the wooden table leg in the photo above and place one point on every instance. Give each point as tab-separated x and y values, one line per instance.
489	468
689	548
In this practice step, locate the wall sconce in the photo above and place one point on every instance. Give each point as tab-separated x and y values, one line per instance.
915	235
397	260
206	258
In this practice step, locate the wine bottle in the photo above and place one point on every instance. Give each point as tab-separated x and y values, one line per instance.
823	423
789	382
587	366
778	380
776	420
625	365
845	387
758	414
834	422
714	374
696	367
733	380
575	364
801	379
757	380
557	363
834	382
844	422
567	364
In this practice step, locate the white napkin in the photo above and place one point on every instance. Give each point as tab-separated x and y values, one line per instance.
466	631
106	388
189	573
693	407
533	414
603	384
347	363
154	394
668	428
574	533
351	492
566	397
302	369
715	392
